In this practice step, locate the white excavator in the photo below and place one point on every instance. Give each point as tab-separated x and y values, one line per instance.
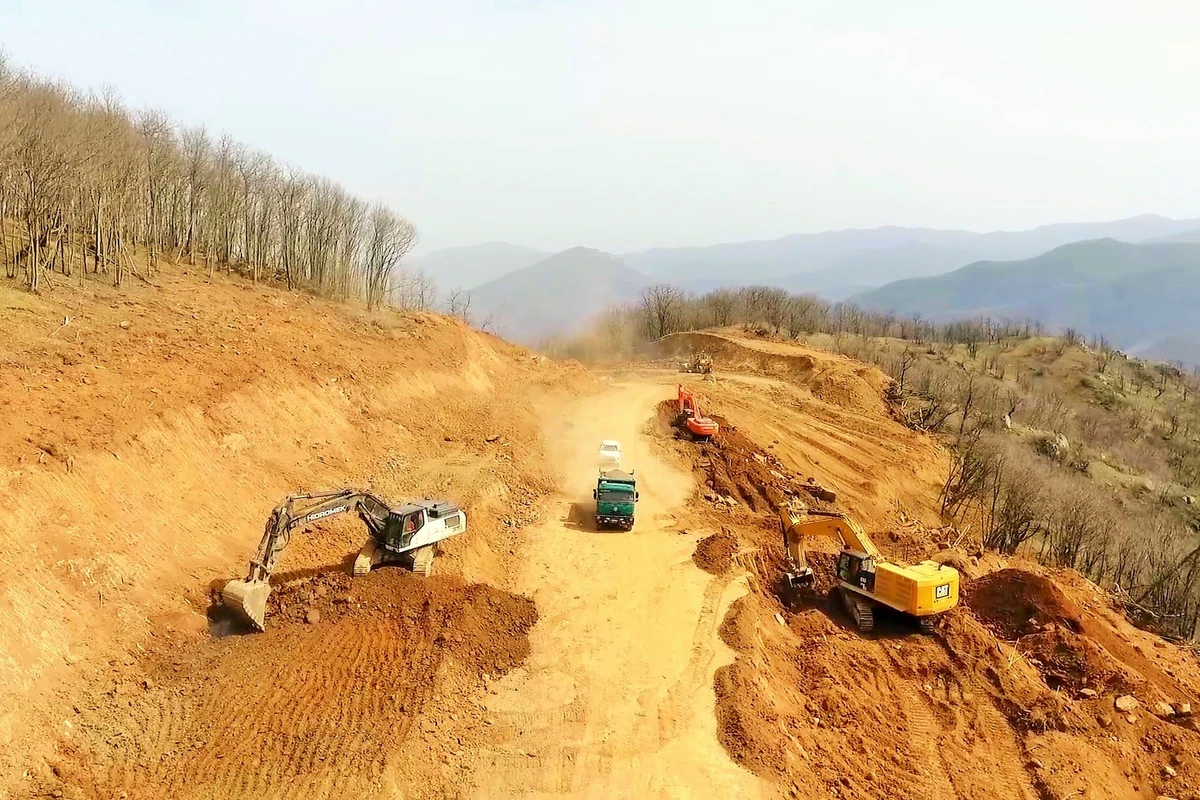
407	535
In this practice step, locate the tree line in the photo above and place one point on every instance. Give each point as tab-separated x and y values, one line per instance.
663	309
86	184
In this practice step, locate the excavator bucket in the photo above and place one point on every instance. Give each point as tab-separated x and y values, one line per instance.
801	578
249	600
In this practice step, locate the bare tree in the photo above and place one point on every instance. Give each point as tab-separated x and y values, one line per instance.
391	238
721	304
196	147
662	308
458	304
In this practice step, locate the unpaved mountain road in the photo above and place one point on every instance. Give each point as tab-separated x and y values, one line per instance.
616	698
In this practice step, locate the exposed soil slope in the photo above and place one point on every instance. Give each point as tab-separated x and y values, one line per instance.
1013	697
543	657
149	438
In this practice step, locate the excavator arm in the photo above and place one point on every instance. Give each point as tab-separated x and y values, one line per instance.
830	524
249	596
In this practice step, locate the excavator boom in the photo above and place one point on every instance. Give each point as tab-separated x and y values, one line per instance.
410	530
249	597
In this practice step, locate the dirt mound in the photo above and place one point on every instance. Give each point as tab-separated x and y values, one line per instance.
1014	602
336	684
715	553
732	467
832	379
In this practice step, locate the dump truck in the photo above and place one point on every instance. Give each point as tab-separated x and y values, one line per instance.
615	495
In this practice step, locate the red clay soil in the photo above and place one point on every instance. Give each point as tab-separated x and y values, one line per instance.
715	553
306	708
822	711
1014	602
731	466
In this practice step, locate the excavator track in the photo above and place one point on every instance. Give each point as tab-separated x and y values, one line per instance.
928	624
365	559
860	610
422	560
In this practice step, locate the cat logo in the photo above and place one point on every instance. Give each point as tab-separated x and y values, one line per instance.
942	592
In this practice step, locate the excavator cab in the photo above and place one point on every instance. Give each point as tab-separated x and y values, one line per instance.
402	525
857	569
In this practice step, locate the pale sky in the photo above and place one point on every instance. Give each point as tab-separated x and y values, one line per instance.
626	124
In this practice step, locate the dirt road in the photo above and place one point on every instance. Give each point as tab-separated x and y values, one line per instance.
616	699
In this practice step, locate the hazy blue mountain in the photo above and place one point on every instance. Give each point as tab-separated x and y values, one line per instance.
1144	297
1192	236
555	296
836	263
467	267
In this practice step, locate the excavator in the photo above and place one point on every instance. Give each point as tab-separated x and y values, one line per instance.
865	579
693	419
407	535
698	363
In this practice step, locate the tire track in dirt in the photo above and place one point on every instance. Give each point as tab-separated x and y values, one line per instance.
302	710
675	711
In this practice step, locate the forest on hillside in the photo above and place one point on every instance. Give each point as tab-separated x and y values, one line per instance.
91	189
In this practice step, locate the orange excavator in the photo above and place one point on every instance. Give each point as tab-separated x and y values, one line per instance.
692	418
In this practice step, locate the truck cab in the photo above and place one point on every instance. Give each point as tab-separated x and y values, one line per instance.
615	495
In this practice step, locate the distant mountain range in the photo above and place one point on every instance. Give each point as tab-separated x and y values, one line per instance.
1135	280
470	266
833	264
836	264
1145	298
556	296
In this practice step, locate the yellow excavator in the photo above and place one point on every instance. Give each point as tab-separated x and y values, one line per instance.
865	578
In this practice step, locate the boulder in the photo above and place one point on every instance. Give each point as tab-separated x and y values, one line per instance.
1126	702
1163	710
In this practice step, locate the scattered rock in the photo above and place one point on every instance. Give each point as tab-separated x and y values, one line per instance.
1126	702
1130	718
1035	764
1163	710
1169	771
1188	499
1183	709
493	438
1087	692
1104	720
124	325
147	683
312	616
780	620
